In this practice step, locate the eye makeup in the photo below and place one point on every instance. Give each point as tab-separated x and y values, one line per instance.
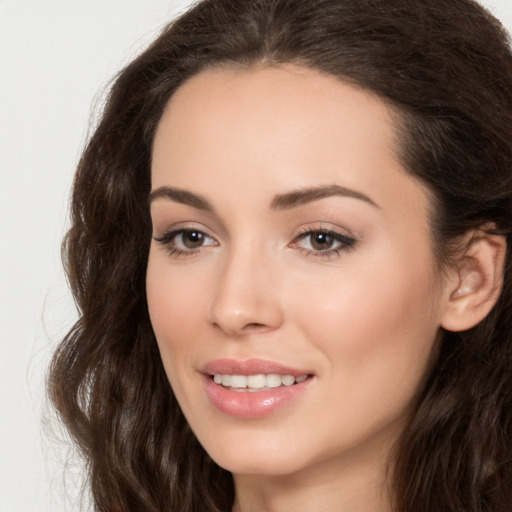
314	242
323	243
185	242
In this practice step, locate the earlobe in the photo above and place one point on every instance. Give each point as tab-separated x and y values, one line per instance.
477	282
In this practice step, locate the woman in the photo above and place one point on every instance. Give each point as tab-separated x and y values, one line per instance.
289	250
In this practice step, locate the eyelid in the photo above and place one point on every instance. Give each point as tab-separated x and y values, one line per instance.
324	227
343	240
346	241
178	227
167	237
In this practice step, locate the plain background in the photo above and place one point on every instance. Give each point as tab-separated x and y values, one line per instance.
56	59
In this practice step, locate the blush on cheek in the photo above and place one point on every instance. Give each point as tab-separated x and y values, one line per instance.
388	326
177	308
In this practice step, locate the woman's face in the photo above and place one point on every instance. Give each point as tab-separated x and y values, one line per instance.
290	244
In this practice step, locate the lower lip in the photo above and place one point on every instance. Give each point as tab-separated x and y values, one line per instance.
252	405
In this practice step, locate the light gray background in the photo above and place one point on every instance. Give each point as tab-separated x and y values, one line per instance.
56	58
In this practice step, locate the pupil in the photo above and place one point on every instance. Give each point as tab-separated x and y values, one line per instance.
193	239
321	241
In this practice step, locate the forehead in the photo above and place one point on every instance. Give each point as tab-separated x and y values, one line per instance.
286	103
269	129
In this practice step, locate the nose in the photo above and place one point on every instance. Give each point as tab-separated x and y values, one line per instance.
246	298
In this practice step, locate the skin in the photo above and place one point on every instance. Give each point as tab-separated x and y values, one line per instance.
362	321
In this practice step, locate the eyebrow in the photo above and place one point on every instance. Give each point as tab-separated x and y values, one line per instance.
181	196
299	197
284	201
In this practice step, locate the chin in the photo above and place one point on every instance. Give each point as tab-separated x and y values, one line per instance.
262	457
268	467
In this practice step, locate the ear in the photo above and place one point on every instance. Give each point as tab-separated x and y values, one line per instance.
476	281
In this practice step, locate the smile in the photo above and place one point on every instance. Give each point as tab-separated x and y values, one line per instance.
256	382
254	388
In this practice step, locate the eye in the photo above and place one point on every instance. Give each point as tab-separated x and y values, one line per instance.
185	241
190	239
321	242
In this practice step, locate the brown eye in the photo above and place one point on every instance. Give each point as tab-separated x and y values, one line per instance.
191	239
185	241
321	241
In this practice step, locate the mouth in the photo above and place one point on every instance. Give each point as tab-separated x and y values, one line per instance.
253	388
256	382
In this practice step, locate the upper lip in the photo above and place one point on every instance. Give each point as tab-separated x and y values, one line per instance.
250	367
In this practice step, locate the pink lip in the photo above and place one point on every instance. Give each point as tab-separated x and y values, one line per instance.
251	405
250	367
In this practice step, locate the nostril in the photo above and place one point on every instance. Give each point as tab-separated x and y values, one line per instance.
254	326
248	327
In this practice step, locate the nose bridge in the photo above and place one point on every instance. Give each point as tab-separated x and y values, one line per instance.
245	298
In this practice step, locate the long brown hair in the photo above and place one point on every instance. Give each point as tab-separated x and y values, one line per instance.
445	66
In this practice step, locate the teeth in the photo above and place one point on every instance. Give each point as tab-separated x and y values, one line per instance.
257	382
237	381
288	380
273	380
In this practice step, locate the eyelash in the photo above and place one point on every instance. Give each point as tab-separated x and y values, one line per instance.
346	243
167	238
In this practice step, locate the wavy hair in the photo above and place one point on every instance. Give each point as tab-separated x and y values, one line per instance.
445	67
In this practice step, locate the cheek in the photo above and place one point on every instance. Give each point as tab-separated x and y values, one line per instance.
376	330
174	302
369	299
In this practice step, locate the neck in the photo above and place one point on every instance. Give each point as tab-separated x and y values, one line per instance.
352	483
